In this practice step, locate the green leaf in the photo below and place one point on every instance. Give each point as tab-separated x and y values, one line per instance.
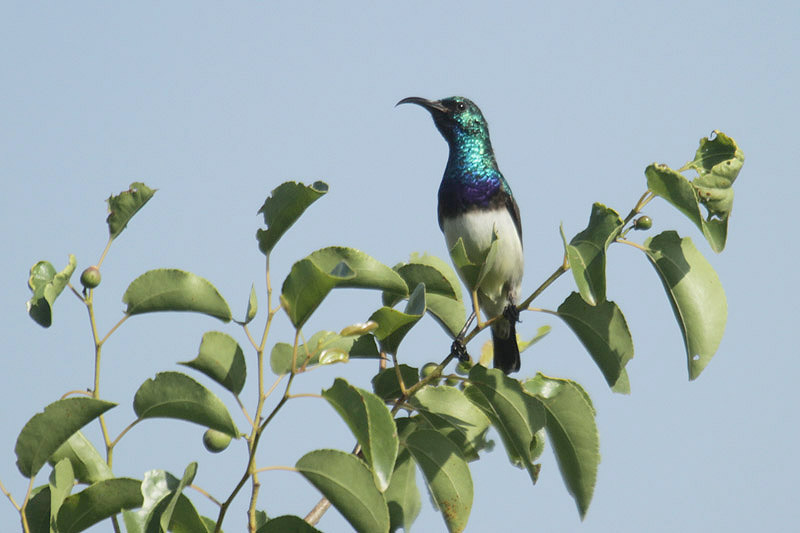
324	347
473	264
696	294
188	476
221	358
156	486
540	334
573	433
603	332
717	162
45	432
282	209
516	416
287	524
184	519
386	385
446	473
393	325
371	423
348	484
46	286
312	278
61	483
167	289
97	502
87	464
122	207
677	190
402	496
252	305
37	512
176	395
586	252
449	411
448	312
435	281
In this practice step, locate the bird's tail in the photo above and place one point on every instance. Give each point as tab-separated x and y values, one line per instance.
506	350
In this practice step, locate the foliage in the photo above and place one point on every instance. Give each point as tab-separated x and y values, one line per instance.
428	419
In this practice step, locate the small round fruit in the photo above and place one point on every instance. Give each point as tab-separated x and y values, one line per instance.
463	368
452	382
90	278
215	441
643	223
427	370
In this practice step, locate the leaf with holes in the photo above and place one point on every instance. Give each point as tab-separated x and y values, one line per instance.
696	294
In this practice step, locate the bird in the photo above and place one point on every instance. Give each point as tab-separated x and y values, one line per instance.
475	204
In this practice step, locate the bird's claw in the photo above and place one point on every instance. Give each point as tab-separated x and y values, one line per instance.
457	349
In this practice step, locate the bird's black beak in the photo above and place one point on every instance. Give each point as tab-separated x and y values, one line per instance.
430	105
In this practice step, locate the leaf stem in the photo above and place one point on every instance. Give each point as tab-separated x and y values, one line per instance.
278	467
305	395
205	493
631	243
9	496
81	392
112	330
105	251
124	431
23	508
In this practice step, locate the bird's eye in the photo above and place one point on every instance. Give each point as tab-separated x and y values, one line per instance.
461	106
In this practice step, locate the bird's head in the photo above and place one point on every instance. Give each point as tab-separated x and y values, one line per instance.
454	117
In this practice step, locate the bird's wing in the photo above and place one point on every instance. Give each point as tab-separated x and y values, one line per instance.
513	209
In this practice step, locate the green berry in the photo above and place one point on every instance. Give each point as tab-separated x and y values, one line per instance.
643	223
215	441
427	370
452	382
90	278
463	368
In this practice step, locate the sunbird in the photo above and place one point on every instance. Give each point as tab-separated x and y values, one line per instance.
476	205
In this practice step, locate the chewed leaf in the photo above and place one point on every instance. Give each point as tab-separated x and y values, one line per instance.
717	162
312	278
283	207
126	204
46	286
696	295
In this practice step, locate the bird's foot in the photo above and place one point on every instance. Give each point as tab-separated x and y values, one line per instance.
457	349
511	313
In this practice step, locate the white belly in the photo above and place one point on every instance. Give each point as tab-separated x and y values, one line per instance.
504	279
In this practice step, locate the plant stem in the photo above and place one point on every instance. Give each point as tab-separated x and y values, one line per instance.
9	496
105	251
204	493
314	516
25	526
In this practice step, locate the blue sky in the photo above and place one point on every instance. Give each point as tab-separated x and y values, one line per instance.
215	105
